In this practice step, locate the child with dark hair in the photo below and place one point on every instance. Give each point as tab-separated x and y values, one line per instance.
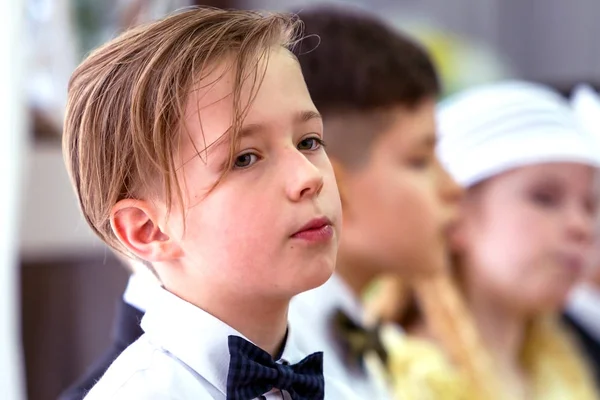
376	90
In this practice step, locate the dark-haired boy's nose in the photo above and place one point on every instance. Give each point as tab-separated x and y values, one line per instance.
450	190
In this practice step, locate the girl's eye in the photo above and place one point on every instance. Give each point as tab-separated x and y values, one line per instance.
245	160
590	204
546	198
311	143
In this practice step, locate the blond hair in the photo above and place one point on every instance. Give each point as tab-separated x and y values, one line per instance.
126	102
452	325
550	355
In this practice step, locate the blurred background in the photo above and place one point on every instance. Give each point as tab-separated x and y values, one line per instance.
59	284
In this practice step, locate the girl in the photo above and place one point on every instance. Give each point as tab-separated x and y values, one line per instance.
486	327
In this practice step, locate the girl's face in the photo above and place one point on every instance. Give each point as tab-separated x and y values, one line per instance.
525	235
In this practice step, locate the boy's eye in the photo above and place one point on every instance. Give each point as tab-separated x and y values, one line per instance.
245	160
311	143
420	162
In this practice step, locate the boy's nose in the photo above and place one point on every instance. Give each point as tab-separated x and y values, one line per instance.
306	179
450	190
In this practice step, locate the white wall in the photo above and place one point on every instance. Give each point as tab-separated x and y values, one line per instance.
52	225
12	147
552	40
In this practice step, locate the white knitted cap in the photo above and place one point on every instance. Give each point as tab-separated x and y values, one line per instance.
586	105
497	127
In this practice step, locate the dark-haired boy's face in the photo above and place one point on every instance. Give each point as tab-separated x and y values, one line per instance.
250	233
399	205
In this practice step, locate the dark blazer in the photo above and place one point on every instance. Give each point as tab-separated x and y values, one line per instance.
126	331
588	343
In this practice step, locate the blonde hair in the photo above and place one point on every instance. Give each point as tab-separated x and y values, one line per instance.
126	102
437	301
550	355
452	325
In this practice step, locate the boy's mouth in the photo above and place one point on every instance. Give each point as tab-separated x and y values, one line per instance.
316	230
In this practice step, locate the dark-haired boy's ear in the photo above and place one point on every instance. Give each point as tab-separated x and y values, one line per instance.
341	179
135	223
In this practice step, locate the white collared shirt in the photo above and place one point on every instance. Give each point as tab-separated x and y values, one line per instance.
584	307
140	287
313	313
184	354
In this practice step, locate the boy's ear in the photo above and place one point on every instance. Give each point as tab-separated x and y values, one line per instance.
136	225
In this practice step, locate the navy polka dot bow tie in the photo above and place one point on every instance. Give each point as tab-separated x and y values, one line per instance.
252	373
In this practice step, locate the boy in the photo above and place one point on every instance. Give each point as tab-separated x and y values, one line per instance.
193	144
376	91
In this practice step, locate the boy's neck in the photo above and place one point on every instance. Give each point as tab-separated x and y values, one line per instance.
263	321
354	274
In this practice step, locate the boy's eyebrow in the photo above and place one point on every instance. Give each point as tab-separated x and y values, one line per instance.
429	140
299	118
306	116
251	129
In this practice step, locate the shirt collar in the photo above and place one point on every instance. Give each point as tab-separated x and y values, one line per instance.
337	295
584	307
197	338
314	312
139	289
349	302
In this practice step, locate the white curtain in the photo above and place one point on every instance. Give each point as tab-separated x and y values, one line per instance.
13	139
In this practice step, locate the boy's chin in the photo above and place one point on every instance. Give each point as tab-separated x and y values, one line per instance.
313	279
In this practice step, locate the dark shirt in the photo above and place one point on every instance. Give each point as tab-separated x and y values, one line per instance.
126	331
588	343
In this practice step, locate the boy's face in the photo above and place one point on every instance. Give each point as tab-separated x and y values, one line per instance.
272	226
399	206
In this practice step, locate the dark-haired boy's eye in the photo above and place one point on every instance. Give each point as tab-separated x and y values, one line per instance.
311	143
245	160
420	162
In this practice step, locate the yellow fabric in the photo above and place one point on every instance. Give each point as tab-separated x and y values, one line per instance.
555	364
420	370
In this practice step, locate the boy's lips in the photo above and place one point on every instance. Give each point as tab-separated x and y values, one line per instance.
316	230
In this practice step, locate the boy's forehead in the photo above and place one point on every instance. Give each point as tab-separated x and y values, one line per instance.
209	109
216	86
415	126
212	92
278	97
